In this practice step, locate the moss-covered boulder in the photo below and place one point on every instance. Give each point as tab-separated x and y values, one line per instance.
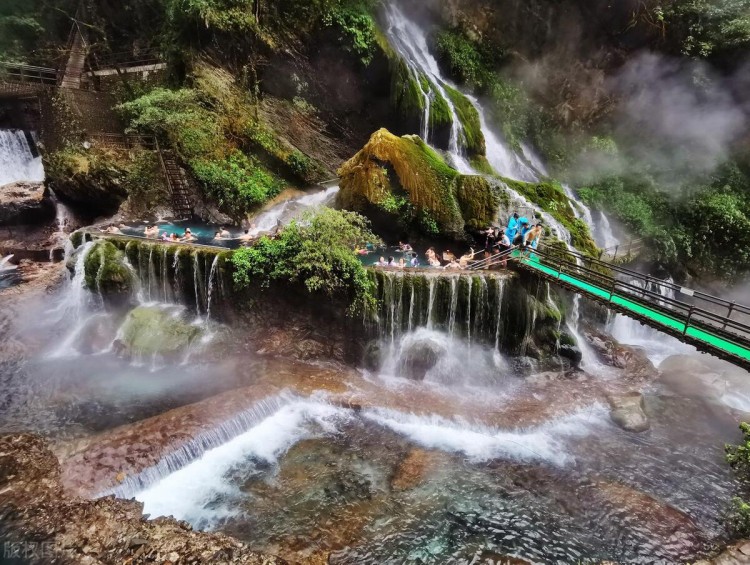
107	273
405	179
150	331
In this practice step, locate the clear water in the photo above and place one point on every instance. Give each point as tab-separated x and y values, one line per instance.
17	163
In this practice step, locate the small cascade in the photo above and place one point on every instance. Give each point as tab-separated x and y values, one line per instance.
410	41
604	234
62	218
589	360
212	284
7	271
462	306
200	444
285	212
197	283
19	162
658	346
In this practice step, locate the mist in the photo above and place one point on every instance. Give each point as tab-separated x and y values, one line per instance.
675	119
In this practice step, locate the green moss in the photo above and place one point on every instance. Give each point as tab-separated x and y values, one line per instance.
105	271
407	97
150	331
440	113
76	239
473	139
478	201
404	173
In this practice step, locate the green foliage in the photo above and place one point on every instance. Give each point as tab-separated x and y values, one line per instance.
145	182
317	252
705	226
238	183
356	27
706	28
469	117
105	270
470	62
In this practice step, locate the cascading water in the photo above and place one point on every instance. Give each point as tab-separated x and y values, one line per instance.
62	219
658	346
212	284
410	41
17	160
7	271
285	212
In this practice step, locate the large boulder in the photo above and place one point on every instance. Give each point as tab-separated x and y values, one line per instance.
94	186
627	411
108	274
24	203
403	181
155	331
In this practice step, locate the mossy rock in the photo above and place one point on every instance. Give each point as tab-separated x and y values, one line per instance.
106	273
391	168
478	200
469	117
149	331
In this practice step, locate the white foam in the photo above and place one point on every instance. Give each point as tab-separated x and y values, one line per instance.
17	163
482	443
192	492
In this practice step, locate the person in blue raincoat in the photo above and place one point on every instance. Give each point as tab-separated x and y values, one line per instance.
523	228
512	228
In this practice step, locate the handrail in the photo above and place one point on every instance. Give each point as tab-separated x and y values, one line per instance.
686	312
649	280
493	259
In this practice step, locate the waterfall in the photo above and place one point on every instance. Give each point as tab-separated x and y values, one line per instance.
62	218
211	286
198	445
196	283
292	209
410	42
18	160
461	305
657	345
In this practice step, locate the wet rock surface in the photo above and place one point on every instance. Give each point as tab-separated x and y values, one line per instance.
68	529
627	411
23	201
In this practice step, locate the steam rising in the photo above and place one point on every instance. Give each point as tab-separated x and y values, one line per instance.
675	119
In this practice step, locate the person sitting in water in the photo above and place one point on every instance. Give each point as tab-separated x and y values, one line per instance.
430	254
225	233
448	256
404	246
113	229
464	261
173	237
165	236
454	265
151	231
188	236
382	262
247	236
414	261
391	261
402	263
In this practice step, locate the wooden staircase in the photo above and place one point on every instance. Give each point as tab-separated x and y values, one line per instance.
178	184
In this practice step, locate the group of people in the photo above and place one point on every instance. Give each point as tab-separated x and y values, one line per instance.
518	234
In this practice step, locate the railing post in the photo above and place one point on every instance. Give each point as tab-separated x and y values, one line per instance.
612	289
615	255
729	315
687	322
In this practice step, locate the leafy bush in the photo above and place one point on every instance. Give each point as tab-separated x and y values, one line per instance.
238	183
317	252
356	27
